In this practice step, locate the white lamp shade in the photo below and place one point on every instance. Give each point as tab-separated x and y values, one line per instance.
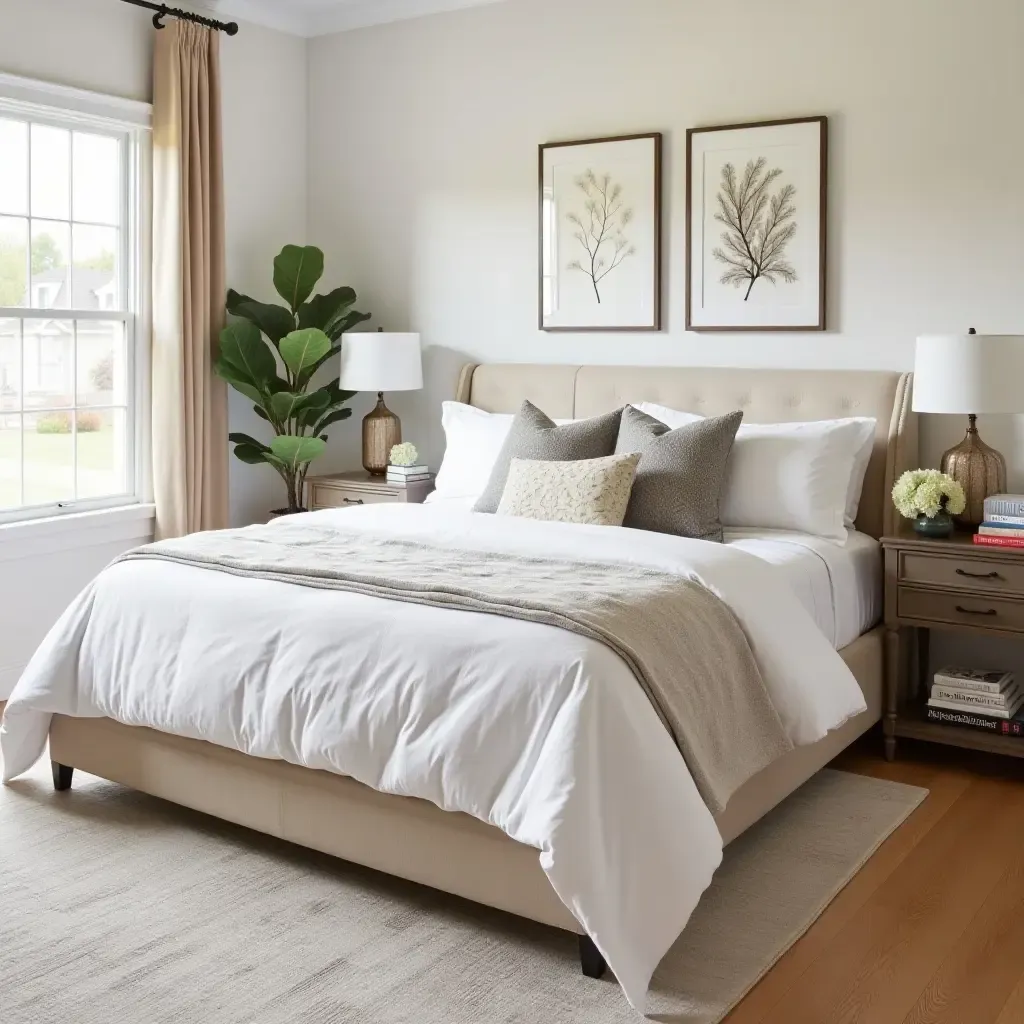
969	373
375	361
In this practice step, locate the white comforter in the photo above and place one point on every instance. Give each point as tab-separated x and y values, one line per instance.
538	731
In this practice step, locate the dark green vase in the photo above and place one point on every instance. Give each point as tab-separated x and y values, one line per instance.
940	526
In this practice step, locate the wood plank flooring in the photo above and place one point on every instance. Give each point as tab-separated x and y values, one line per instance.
931	931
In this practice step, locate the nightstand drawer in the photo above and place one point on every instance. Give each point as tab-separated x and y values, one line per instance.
961	609
344	497
962	573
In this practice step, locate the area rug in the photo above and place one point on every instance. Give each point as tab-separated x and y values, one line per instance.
117	908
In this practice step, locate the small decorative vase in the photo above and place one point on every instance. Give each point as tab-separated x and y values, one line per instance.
941	525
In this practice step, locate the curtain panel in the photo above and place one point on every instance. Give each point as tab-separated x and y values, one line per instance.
190	450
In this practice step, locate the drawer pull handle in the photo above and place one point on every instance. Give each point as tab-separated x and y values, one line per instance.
979	575
976	611
352	501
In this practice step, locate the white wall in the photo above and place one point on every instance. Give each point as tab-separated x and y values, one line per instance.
107	46
423	157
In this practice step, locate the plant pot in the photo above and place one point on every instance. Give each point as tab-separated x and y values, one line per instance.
940	525
280	513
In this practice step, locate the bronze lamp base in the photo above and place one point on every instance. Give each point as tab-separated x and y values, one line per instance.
382	430
979	469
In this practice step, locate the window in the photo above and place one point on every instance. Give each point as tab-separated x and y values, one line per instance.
69	276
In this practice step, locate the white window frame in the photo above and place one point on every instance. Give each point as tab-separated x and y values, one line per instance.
130	121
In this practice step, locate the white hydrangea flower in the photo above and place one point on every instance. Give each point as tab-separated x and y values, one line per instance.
927	492
404	454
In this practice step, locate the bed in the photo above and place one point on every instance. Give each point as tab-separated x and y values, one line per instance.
455	852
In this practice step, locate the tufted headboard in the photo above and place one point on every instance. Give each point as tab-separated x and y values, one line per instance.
765	396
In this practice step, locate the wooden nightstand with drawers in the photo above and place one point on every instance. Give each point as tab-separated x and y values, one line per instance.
944	584
349	490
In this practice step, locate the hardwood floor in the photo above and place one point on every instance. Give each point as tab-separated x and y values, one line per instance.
932	929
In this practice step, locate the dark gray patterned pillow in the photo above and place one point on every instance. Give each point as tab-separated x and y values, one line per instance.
678	484
536	436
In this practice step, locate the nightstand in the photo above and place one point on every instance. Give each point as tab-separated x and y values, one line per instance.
943	584
346	490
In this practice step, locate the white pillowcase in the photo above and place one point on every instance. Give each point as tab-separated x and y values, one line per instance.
805	477
473	440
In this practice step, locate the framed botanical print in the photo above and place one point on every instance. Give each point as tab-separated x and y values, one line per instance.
600	234
755	214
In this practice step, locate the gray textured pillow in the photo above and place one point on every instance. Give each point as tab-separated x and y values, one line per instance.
536	436
678	484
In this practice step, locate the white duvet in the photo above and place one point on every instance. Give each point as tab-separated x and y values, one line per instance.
538	731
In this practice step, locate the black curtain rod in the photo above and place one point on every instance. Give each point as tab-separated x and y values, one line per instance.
163	11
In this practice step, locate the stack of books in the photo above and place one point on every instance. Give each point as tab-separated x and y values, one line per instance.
407	474
1004	522
980	700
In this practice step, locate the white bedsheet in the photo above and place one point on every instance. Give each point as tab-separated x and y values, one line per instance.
841	587
536	730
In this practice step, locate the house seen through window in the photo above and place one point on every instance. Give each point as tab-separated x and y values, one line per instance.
67	325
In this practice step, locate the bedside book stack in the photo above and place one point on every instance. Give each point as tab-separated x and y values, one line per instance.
991	701
1004	522
407	474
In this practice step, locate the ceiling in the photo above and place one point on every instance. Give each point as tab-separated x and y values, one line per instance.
320	17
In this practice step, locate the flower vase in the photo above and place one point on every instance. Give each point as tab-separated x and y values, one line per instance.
940	525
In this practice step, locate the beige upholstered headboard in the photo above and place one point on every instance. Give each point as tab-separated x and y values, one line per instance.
765	396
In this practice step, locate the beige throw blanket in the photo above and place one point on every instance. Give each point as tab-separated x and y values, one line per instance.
683	644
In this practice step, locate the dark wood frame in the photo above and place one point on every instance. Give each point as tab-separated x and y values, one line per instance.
822	121
658	205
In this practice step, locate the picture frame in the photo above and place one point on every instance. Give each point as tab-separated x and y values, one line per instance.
756	218
600	234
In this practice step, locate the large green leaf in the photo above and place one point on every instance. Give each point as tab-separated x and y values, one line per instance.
301	349
321	310
274	321
286	404
295	451
332	417
246	354
248	439
250	454
314	405
228	373
307	374
337	327
296	272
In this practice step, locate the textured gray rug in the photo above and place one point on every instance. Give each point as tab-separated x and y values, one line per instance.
116	908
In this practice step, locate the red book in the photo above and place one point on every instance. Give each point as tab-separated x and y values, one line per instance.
999	542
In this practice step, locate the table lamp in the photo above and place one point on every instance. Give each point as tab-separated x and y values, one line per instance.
380	362
971	374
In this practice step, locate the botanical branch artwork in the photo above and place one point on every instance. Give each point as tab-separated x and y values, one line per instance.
601	228
758	226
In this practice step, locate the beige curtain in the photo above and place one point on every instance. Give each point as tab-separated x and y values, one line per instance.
190	451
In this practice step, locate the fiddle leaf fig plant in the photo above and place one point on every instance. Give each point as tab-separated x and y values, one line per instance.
270	354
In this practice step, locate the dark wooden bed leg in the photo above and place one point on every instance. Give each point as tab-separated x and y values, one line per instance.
61	776
590	959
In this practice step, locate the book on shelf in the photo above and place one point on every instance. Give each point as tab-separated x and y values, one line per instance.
970	698
999	542
1004	505
990	529
407	479
1009	711
409	470
981	680
971	720
997	520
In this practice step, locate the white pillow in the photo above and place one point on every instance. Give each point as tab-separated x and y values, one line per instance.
791	476
473	439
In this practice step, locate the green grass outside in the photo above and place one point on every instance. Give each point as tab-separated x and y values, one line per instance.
49	461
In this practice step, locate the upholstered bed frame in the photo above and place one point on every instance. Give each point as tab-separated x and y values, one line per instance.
453	852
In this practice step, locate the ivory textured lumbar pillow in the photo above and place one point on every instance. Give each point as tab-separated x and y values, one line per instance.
594	491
